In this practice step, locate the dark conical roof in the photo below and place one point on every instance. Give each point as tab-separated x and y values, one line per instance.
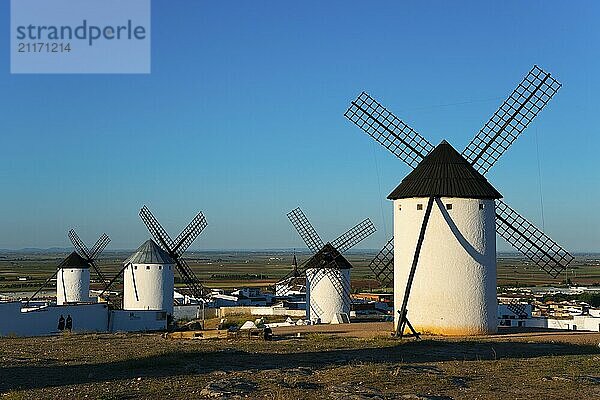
150	253
328	257
445	173
74	260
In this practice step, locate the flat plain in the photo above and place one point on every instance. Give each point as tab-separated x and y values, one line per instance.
234	269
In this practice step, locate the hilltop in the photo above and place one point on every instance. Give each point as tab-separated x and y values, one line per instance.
329	362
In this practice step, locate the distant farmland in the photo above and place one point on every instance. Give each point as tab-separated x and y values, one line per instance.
223	269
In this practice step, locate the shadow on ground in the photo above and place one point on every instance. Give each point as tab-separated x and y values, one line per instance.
198	362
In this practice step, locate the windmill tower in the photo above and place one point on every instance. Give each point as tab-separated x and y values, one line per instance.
327	271
446	214
148	279
73	273
73	280
176	248
148	274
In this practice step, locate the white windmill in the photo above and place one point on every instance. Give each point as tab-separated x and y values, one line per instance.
73	273
148	274
148	279
446	215
73	280
327	271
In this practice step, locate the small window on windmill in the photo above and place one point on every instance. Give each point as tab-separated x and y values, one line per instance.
399	207
449	206
147	267
419	207
135	267
481	206
159	267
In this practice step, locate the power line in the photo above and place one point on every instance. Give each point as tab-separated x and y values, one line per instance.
379	187
539	168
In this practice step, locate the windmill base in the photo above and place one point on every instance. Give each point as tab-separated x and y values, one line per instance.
403	325
453	331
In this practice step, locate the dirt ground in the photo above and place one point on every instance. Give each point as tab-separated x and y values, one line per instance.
357	361
372	330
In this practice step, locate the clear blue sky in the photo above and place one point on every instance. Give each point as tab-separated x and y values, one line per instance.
242	117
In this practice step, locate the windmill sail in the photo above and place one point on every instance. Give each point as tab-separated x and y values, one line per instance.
176	248
511	119
382	265
156	230
383	126
190	233
354	235
530	241
90	255
306	231
194	284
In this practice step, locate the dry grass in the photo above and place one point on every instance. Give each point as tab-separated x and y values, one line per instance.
316	366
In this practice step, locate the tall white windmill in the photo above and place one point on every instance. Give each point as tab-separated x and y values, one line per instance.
446	215
148	279
148	273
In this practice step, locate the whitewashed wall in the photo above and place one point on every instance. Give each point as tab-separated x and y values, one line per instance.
586	323
148	287
323	301
86	318
72	285
193	311
454	290
44	321
137	321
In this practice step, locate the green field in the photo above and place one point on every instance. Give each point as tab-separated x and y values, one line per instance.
263	268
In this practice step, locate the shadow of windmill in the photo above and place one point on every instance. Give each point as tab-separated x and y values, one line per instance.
54	373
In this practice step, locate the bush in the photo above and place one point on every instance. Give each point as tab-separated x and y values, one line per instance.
593	299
